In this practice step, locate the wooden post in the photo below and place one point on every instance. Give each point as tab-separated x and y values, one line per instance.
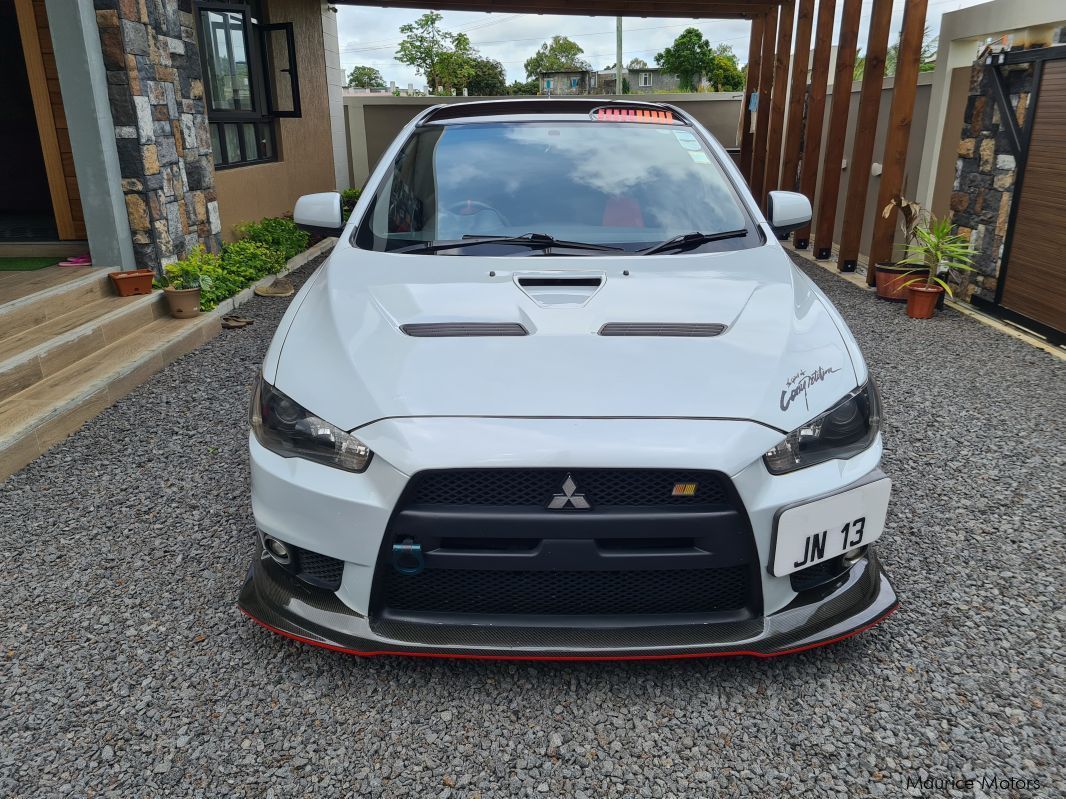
751	86
762	116
904	90
812	140
798	90
862	151
825	219
777	104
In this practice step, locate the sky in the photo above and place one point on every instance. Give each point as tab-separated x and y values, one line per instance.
369	35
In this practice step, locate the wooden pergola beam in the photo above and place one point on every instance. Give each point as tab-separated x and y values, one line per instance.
797	92
825	219
705	9
762	115
904	90
786	19
862	150
751	85
812	140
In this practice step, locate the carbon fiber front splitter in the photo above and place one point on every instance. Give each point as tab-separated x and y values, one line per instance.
283	605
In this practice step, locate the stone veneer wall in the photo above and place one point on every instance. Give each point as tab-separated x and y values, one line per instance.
985	175
164	145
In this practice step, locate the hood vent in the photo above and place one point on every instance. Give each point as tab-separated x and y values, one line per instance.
559	282
463	329
682	330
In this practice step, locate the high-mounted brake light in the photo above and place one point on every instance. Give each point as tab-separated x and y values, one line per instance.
633	115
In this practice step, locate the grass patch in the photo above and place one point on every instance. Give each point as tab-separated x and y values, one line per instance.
26	264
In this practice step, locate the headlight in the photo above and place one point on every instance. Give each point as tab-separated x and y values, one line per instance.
844	430
284	427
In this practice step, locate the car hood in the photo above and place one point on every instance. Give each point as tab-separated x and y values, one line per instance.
781	359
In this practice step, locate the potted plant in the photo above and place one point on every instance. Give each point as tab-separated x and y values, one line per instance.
891	276
935	251
132	282
182	283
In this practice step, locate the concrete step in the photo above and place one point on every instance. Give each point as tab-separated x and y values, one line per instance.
33	303
40	416
35	353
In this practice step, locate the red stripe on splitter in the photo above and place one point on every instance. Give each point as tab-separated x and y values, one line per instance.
676	656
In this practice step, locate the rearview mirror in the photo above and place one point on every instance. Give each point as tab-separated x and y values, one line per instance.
319	213
787	211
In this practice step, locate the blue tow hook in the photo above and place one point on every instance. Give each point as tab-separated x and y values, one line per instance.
407	557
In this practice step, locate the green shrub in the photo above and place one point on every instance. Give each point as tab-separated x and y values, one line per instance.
280	234
349	197
201	269
247	261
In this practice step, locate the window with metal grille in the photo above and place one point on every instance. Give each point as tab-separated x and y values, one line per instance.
250	79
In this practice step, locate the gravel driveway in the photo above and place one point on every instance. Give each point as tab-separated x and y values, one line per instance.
127	671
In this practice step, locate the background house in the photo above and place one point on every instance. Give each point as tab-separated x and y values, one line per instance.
643	81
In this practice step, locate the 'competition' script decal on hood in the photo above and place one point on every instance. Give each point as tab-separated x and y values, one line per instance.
798	384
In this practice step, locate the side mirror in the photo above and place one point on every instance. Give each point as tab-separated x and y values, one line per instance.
787	211
319	213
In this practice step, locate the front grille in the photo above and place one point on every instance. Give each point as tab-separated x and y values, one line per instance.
633	488
651	545
555	593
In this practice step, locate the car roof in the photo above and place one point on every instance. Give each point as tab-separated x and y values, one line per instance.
562	108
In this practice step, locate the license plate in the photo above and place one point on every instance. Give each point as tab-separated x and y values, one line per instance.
820	530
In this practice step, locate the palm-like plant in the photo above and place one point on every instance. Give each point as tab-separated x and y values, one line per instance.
936	248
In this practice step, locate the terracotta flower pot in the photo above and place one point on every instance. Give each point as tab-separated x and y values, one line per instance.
135	281
184	303
921	300
891	280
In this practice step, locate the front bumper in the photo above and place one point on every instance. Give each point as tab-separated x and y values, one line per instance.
282	604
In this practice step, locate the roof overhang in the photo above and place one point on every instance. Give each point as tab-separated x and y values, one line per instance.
710	9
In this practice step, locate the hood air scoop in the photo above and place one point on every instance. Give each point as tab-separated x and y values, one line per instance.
559	289
463	329
690	330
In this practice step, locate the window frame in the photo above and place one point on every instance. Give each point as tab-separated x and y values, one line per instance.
645	80
265	29
263	114
255	62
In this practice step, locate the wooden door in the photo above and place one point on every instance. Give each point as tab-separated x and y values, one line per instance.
1035	279
51	121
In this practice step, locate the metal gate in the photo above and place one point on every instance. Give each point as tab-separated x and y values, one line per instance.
1032	281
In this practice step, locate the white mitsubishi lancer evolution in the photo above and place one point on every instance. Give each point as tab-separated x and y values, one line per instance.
558	392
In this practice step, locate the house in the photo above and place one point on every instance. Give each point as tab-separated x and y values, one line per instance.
148	128
567	82
648	80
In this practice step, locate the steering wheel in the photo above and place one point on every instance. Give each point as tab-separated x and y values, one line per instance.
473	207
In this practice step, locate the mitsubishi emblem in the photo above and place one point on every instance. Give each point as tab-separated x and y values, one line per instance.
569	498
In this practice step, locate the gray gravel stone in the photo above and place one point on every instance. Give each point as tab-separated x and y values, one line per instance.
126	670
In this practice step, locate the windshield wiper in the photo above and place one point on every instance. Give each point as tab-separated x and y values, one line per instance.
693	239
538	240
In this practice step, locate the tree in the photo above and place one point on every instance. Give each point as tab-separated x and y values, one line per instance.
455	65
422	45
365	77
529	87
926	62
488	79
636	63
724	72
689	57
559	55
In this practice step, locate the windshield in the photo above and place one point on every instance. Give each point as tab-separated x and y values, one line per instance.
629	185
